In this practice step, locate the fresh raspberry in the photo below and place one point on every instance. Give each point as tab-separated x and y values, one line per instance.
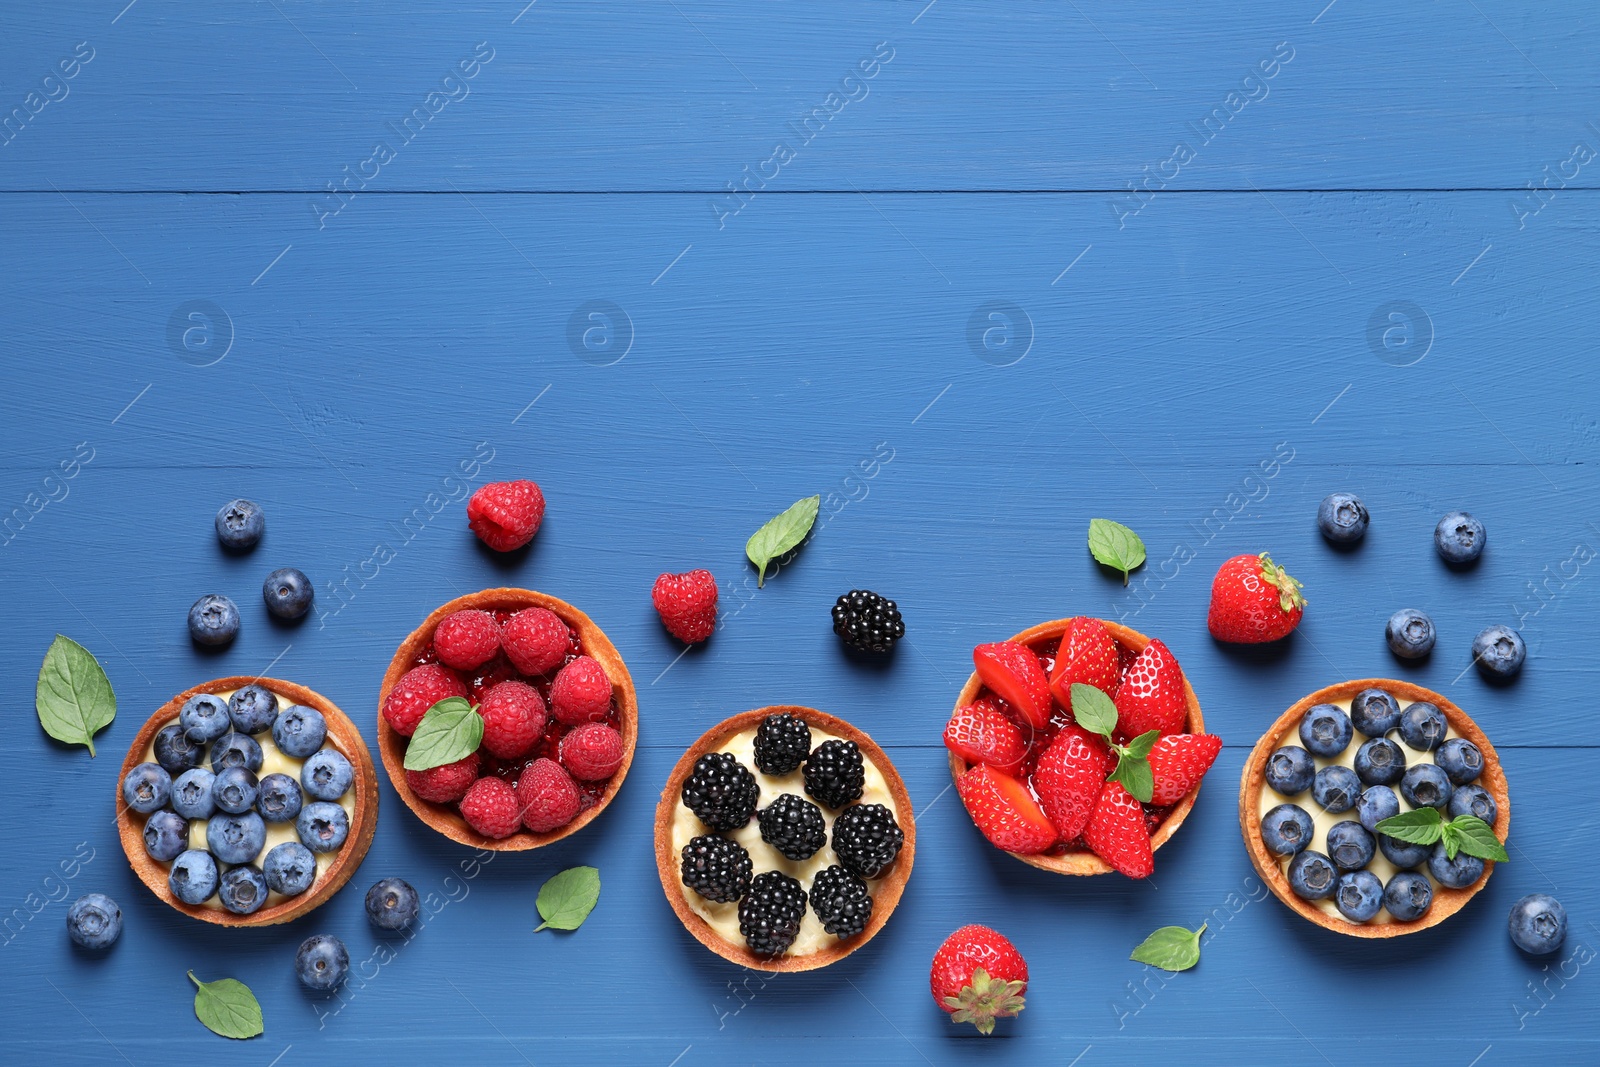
687	604
536	640
548	796
466	640
514	717
506	515
447	784
581	692
592	752
419	689
491	808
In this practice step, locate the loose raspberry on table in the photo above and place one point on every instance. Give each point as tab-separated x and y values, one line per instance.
536	640
581	692
491	808
592	752
466	640
419	689
506	515
687	604
548	795
514	717
447	784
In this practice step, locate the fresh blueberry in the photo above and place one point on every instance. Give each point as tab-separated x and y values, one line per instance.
1408	896
327	775
240	525
1460	759
1459	538
1423	726
279	799
234	790
321	962
253	709
1312	876
1377	803
1538	924
1342	518
193	877
289	868
1410	634
1290	770
1350	846
205	717
1498	651
299	731
1455	873
166	834
1426	786
1374	712
288	593
1325	730
236	838
213	620
322	826
1380	762
1358	895
392	904
191	794
95	921
1336	788
243	889
146	788
176	751
1287	829
1473	800
235	750
1403	854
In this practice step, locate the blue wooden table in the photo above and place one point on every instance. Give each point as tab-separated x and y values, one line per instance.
975	274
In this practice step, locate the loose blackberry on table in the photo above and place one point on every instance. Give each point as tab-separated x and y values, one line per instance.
867	839
782	743
794	826
841	900
722	792
835	773
770	913
716	868
867	622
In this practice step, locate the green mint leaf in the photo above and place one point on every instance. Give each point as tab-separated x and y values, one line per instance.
1135	775
1172	948
1421	826
1093	710
568	898
1116	546
451	730
780	534
1139	747
73	697
227	1008
1476	838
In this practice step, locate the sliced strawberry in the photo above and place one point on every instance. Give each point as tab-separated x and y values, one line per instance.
1069	777
1151	695
1178	762
1005	811
1088	654
1013	672
1116	833
980	733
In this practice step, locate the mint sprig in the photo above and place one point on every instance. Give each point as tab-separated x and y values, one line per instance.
73	697
451	730
781	534
1094	711
1464	833
1115	546
568	898
1172	948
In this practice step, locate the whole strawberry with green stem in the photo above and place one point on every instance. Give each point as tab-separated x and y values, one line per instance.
1253	600
978	976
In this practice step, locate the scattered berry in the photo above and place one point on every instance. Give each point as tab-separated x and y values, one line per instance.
978	976
213	620
506	515
835	773
687	604
782	743
1290	770
867	622
240	525
980	733
1253	600
146	788
794	826
1006	813
1152	695
322	826
419	689
1498	651
841	901
321	962
1374	712
1087	654
581	692
1459	538
770	913
514	719
1178	762
1410	634
392	904
491	809
1342	518
1538	924
94	921
716	868
194	876
536	640
466	640
1286	829
1117	833
1312	875
1325	730
289	868
1068	778
1358	895
243	889
446	784
1408	896
1014	673
548	796
288	594
299	731
867	839
721	791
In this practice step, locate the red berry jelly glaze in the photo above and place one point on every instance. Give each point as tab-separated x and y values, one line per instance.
1045	649
499	669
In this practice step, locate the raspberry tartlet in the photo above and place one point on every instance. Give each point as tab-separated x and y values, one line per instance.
285	772
560	719
1335	765
784	838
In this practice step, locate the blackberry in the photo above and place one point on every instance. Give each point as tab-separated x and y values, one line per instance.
770	913
867	622
834	773
716	868
841	901
782	743
794	826
721	791
867	839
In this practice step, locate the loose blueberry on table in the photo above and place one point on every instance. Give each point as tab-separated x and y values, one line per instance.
1410	633
213	620
1538	924
1499	653
1342	518
1459	538
240	524
288	594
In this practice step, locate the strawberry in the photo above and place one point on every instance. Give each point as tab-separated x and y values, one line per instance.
1178	762
1151	695
978	976
1253	600
1116	833
1088	654
1013	672
980	733
1005	811
1068	779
